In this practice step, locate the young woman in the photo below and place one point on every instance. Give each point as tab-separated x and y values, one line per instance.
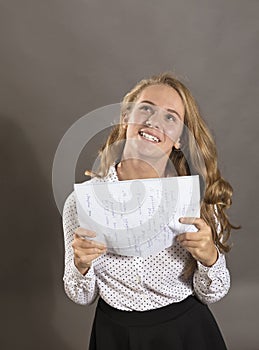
159	301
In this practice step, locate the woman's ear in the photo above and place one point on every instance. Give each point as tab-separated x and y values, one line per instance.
177	144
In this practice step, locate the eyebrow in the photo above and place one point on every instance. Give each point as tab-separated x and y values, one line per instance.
169	109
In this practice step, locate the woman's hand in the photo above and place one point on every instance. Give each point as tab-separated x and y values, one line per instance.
85	250
200	244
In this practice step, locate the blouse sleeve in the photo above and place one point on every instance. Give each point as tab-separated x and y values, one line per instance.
211	283
82	289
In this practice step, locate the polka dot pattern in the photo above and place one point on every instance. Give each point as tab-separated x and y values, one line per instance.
137	283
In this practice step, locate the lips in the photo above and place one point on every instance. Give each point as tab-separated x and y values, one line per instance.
150	135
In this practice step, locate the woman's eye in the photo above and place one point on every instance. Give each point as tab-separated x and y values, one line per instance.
146	108
171	117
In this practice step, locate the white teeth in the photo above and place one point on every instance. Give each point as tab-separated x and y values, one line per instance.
149	137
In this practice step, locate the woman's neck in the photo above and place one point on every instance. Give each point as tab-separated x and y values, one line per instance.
131	169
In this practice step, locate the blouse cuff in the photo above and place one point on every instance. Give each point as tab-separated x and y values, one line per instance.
215	269
82	278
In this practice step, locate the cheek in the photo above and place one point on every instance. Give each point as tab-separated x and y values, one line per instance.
170	141
132	130
173	135
137	118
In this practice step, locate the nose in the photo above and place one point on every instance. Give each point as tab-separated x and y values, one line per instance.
154	120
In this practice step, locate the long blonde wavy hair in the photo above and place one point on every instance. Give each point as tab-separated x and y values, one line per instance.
217	192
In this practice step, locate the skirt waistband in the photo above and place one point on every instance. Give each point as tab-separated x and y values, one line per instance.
149	317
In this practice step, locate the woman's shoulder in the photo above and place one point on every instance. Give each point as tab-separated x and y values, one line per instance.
111	176
70	202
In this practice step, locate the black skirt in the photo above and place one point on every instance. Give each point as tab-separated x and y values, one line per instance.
187	325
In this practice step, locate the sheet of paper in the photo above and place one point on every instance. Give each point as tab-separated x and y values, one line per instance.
138	217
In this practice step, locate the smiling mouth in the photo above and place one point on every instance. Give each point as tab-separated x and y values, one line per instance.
149	137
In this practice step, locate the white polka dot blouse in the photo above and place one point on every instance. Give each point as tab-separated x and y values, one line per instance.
137	283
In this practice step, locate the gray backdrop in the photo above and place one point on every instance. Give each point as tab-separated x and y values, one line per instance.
62	59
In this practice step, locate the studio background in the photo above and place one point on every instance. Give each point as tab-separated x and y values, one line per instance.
62	59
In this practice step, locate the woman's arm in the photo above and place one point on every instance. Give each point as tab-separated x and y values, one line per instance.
211	283
82	289
211	280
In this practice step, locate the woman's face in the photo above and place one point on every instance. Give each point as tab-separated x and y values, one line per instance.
155	122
